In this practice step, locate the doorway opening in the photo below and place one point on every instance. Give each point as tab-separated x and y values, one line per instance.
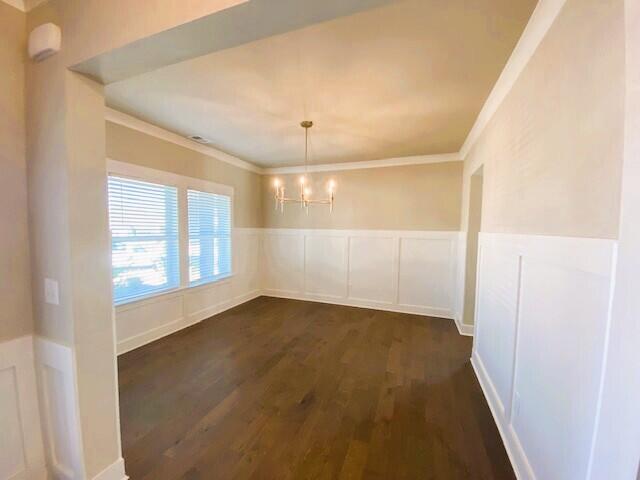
474	223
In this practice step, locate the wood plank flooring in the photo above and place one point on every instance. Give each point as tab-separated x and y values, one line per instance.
284	389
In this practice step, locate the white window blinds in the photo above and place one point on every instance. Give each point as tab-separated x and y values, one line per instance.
143	218
209	236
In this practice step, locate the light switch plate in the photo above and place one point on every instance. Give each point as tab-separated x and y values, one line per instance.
51	293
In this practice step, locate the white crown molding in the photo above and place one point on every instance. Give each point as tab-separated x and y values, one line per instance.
539	24
128	121
541	20
386	162
24	5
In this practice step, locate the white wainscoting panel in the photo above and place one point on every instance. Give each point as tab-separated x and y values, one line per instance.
56	368
283	261
373	269
247	251
326	265
141	322
21	446
496	306
541	328
426	273
405	271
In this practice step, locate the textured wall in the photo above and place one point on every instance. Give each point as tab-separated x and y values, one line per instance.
553	150
15	287
413	197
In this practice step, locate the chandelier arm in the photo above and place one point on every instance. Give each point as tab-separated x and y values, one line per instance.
305	193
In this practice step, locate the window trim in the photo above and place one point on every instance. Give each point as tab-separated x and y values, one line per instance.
183	184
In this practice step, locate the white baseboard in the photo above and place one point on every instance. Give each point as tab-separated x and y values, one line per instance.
152	335
39	473
512	445
115	471
463	328
221	307
181	323
359	303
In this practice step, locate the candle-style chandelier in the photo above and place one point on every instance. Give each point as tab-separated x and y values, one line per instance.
305	189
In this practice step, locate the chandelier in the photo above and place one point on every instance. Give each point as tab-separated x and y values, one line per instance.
305	189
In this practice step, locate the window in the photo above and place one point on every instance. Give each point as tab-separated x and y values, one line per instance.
209	236
143	218
168	231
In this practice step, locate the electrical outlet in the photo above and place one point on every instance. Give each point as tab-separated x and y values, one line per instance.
51	293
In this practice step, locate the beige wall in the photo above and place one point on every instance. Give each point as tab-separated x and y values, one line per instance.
92	27
128	145
553	150
15	288
416	197
413	197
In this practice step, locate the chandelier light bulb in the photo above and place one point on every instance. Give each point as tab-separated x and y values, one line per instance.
276	183
307	191
331	186
303	180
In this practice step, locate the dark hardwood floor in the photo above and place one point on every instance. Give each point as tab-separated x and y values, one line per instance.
283	389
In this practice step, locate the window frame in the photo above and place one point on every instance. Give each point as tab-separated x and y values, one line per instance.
183	184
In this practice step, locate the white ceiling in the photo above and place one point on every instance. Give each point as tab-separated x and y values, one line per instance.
400	80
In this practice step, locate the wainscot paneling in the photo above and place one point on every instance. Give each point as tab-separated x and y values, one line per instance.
141	322
405	271
283	260
542	324
21	446
56	369
326	265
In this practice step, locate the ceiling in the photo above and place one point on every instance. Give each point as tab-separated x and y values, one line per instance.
405	79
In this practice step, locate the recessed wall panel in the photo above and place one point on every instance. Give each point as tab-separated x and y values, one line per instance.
284	262
12	460
372	269
425	273
325	265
